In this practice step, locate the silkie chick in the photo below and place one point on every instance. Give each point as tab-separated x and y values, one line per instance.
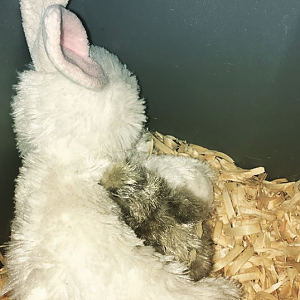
164	217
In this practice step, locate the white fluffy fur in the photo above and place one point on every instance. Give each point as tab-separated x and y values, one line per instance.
67	239
185	172
68	243
54	115
195	175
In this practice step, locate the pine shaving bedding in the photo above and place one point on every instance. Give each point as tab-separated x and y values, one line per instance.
3	275
256	224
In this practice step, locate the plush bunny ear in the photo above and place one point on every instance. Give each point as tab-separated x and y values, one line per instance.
32	16
67	47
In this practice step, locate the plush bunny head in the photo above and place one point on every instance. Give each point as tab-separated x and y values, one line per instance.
76	100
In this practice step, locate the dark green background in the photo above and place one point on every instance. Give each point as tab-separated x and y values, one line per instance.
222	74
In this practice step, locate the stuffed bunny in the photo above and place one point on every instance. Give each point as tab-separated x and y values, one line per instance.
77	112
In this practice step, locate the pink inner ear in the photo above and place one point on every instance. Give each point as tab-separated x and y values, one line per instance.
67	47
73	35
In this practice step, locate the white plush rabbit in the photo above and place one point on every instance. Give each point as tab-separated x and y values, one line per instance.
76	112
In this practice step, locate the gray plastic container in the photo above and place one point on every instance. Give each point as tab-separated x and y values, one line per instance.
221	74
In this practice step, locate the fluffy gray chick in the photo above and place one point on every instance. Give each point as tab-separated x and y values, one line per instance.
164	217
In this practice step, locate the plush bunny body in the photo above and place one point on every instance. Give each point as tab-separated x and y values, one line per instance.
76	113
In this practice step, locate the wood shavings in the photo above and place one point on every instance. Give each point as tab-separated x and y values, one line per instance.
256	224
232	254
243	230
3	277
